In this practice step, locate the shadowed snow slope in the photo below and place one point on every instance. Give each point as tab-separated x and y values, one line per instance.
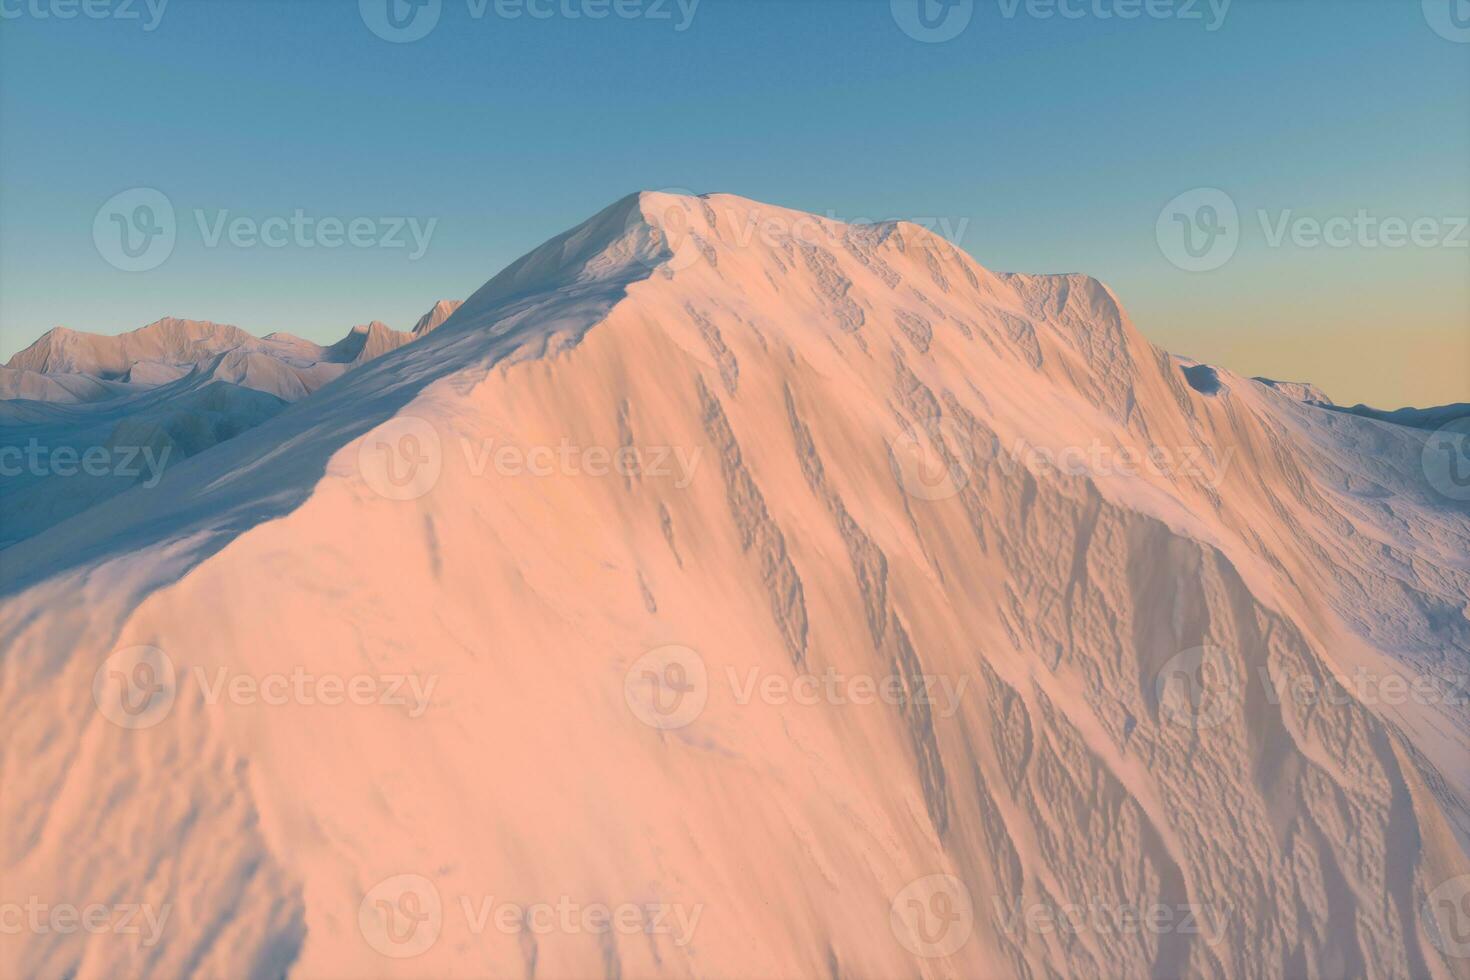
145	400
1087	593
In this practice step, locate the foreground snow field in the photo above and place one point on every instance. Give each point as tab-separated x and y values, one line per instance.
723	591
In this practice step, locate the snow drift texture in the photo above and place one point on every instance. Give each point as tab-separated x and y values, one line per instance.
874	433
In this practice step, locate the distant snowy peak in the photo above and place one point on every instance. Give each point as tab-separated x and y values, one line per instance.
71	366
364	343
1414	418
432	320
168	341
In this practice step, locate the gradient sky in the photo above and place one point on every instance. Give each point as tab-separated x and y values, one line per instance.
1047	144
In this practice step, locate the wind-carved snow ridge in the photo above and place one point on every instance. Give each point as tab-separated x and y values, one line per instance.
825	602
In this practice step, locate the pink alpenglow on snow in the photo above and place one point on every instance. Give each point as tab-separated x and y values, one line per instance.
726	591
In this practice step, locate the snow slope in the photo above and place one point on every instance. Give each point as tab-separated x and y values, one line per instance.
144	400
926	605
1301	391
123	443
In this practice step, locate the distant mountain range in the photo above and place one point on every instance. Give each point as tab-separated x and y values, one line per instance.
70	366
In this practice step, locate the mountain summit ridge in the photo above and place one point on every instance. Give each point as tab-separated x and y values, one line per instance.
846	451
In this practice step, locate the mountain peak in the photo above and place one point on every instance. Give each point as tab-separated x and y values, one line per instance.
62	350
876	456
436	316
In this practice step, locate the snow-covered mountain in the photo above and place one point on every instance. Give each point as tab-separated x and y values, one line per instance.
149	399
70	366
726	591
434	319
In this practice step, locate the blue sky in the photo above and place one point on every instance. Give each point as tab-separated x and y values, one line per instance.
1046	143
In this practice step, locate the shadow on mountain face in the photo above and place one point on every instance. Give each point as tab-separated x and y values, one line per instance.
555	293
1203	379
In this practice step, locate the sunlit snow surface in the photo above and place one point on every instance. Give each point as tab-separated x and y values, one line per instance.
727	592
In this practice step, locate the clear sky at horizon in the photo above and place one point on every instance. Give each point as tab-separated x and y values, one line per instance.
1040	143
